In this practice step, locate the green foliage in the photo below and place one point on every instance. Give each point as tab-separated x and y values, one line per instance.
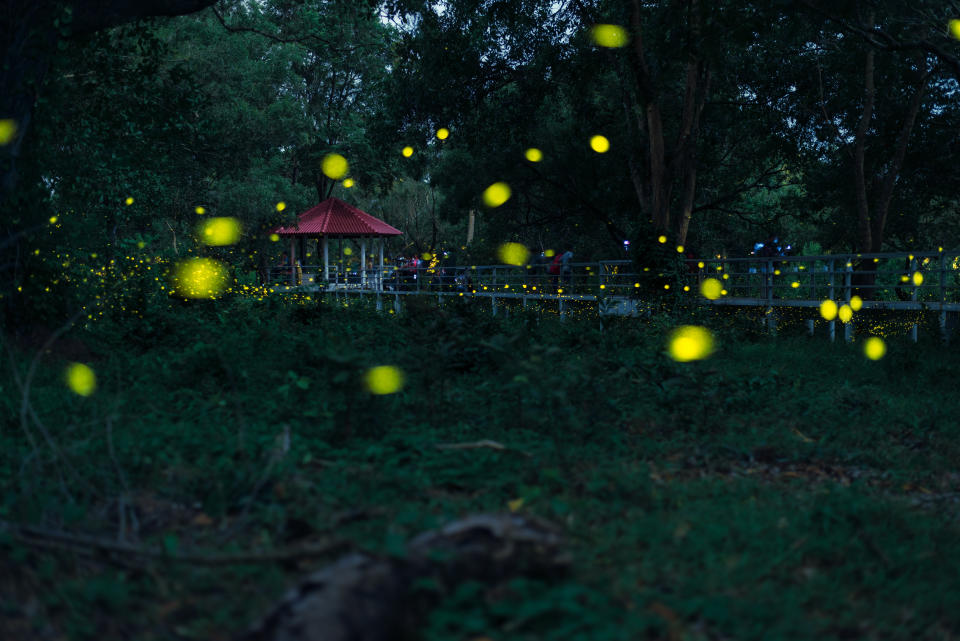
775	486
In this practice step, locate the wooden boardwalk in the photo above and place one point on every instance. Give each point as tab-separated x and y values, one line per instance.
900	282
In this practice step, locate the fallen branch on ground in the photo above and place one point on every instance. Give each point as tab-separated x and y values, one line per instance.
44	538
473	445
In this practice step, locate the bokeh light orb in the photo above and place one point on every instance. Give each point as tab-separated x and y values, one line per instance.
828	310
443	133
8	131
220	231
600	144
611	36
690	343
874	348
199	278
407	152
81	379
954	27
710	288
513	254
334	166
496	194
384	379
533	154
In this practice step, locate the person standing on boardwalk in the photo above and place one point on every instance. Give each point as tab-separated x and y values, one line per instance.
566	268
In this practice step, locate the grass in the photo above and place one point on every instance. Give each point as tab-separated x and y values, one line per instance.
785	488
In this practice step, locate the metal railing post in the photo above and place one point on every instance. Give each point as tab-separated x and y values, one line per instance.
943	299
833	323
913	295
847	281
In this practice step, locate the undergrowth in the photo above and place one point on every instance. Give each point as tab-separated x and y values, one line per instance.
785	488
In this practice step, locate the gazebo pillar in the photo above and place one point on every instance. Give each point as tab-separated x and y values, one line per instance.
326	260
380	272
363	263
293	260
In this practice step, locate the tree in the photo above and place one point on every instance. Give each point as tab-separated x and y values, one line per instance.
30	40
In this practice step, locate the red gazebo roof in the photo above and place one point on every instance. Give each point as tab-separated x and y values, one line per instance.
333	217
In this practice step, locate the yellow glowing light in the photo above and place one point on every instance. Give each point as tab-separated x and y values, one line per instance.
845	313
407	152
856	303
334	166
661	239
348	251
348	183
129	200
141	244
710	288
700	264
550	253
954	27
220	231
80	379
384	379
513	254
609	35
874	348
723	292
679	249
443	133
795	284
200	211
281	206
690	343
533	154
274	237
199	278
917	278
496	194
8	130
600	144
53	220
828	309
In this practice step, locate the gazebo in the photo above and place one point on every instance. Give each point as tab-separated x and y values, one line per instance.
334	218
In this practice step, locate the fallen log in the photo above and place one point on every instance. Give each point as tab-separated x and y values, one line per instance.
364	597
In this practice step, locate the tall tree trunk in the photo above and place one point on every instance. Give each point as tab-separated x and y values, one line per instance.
864	228
658	178
885	193
665	166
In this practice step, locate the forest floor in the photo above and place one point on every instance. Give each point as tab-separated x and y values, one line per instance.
785	488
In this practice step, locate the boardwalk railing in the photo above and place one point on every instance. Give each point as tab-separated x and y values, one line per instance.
928	280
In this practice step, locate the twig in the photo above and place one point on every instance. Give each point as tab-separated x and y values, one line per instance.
473	445
84	544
